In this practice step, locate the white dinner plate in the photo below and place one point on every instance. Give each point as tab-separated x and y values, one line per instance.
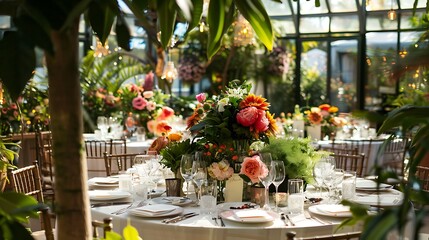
248	216
103	182
383	200
107	195
156	210
231	205
369	185
155	193
178	201
331	210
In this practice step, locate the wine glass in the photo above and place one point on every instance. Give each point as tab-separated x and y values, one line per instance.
199	172
267	179
102	125
186	169
323	167
279	177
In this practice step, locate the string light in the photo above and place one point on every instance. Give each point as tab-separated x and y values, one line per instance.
243	33
101	50
391	15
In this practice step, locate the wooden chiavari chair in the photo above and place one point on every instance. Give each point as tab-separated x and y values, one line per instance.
350	162
115	163
422	174
46	164
96	149
27	180
106	225
394	155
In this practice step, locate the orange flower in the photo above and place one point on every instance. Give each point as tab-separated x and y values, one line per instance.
175	137
315	117
162	127
254	101
333	109
324	107
272	127
193	119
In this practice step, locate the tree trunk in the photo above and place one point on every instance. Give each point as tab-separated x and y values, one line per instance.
72	203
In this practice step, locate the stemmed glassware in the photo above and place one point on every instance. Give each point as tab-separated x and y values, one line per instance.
322	168
186	169
267	179
102	125
199	172
279	177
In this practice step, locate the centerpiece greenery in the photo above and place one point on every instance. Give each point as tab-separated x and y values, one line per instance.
226	125
298	155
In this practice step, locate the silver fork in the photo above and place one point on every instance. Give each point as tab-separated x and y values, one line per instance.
122	210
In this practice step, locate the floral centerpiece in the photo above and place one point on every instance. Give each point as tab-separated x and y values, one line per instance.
147	107
227	124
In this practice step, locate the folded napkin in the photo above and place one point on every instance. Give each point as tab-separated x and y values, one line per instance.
107	195
157	208
104	180
252	214
378	200
337	210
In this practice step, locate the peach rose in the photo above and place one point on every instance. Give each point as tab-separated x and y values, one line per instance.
147	94
151	106
247	116
151	125
166	113
253	168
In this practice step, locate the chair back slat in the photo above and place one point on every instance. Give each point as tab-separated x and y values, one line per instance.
422	174
26	180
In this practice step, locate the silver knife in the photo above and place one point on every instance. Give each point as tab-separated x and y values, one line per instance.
183	218
168	220
102	204
288	218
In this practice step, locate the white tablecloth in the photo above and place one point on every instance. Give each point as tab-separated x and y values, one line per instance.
203	227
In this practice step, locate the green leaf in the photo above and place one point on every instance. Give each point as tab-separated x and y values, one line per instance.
215	20
123	35
34	32
186	8
141	4
196	14
113	236
255	13
17	62
167	17
78	9
101	18
130	232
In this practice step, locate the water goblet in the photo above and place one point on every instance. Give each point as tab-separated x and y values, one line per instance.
199	172
279	177
186	170
267	179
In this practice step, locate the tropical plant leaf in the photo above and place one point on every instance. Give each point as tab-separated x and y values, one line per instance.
196	14
75	13
130	232
141	4
404	114
101	18
17	62
186	8
123	35
167	17
113	236
216	21
255	13
34	32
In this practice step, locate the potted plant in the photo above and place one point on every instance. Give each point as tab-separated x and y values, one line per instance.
6	161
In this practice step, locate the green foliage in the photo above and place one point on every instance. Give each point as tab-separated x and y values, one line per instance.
298	155
172	153
14	211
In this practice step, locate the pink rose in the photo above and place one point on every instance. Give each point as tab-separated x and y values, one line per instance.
147	94
220	170
253	168
166	113
201	97
151	106
139	102
261	125
247	116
